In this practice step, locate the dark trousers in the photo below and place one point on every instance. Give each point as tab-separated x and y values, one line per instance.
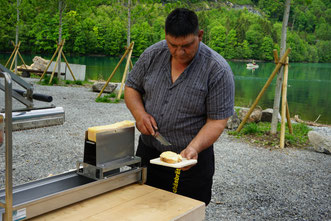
195	183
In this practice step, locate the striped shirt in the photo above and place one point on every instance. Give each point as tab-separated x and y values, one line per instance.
204	90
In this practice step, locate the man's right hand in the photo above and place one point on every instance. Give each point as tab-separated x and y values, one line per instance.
146	124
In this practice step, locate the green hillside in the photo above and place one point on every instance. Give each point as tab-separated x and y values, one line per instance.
241	29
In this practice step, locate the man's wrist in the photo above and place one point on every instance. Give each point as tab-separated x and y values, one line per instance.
194	148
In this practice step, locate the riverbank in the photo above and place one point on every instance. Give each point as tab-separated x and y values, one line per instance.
250	182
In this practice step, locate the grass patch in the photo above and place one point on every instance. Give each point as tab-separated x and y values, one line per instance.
32	75
109	98
259	133
77	82
56	81
46	78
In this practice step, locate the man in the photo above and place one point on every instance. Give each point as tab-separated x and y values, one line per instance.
185	91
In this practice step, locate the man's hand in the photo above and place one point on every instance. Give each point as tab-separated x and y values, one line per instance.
207	135
189	153
146	124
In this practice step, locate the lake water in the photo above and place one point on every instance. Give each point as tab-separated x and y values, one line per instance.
308	94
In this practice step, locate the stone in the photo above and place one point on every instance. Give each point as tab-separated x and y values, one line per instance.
233	122
254	117
39	63
267	115
24	67
97	87
320	142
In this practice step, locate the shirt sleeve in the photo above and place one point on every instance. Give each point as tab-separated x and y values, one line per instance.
137	74
220	98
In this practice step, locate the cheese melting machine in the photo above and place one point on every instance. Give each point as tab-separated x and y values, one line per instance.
109	163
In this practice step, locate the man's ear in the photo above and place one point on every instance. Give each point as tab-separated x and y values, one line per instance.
200	34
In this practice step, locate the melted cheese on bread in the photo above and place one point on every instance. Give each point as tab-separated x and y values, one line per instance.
170	157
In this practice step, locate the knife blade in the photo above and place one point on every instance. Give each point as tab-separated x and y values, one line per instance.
161	139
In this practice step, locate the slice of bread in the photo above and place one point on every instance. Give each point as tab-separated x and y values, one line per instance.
170	157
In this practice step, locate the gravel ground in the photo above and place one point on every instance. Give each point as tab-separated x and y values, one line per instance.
250	183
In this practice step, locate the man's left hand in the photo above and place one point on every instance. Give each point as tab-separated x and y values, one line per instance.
189	153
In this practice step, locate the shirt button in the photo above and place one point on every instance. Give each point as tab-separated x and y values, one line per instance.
165	102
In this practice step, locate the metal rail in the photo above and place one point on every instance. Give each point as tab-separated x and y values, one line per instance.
8	204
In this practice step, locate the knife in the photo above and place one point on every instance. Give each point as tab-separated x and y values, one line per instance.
161	139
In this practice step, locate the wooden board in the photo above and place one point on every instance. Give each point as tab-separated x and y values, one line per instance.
184	163
134	202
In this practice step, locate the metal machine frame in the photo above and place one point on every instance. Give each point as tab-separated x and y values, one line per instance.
28	101
41	196
8	203
31	116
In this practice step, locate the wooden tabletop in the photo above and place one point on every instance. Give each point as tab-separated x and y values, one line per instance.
134	202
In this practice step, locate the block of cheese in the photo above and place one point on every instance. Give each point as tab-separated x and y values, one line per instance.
92	131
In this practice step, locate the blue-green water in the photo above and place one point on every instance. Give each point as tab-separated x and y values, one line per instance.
308	94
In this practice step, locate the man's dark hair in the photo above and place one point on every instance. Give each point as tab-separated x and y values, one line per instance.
182	22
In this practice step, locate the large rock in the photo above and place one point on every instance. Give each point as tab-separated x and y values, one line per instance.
39	63
267	115
320	142
24	67
97	87
254	117
233	122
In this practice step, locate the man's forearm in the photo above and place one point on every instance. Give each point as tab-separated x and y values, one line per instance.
145	122
208	134
134	102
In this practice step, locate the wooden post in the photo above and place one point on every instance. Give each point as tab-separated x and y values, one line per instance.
289	124
57	61
125	71
264	89
72	74
19	54
131	64
284	93
12	63
15	48
275	56
288	117
114	71
57	49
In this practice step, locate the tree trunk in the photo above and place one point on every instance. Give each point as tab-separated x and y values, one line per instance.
17	30
274	121
129	24
60	37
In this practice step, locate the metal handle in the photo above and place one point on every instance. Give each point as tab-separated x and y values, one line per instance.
36	96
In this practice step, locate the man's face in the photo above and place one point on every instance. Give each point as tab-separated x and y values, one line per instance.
183	49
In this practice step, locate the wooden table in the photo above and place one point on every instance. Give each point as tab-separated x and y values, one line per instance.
134	202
